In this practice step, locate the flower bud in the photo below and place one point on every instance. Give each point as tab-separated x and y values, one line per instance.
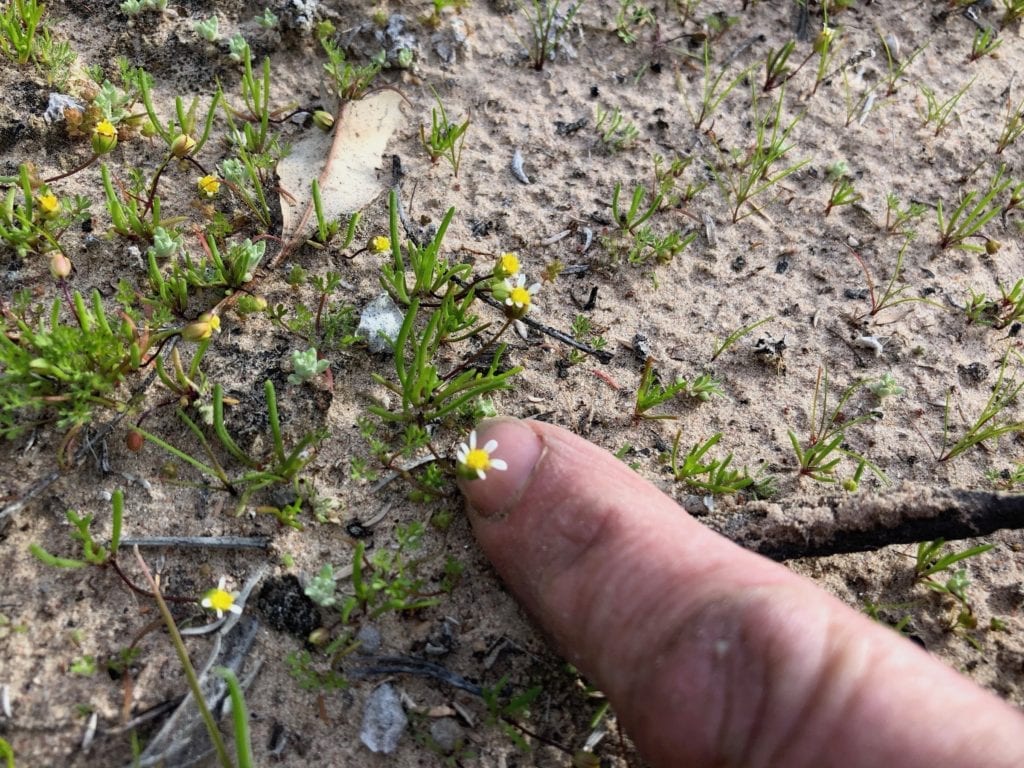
201	329
824	40
183	145
104	137
992	246
60	265
323	120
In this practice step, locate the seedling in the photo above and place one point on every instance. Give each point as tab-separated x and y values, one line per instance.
751	174
719	477
732	338
885	387
208	29
895	292
990	423
713	89
631	14
1013	125
931	560
985	43
896	216
328	230
280	468
973	213
446	138
615	132
306	366
895	68
93	553
547	24
651	392
52	369
630	219
135	7
941	112
19	22
843	193
350	82
667	178
997	313
825	450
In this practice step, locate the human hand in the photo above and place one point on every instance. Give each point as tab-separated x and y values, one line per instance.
712	655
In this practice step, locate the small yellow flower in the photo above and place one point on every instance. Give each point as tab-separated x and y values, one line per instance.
519	297
380	244
220	600
473	462
49	204
183	145
104	137
507	266
202	329
209	186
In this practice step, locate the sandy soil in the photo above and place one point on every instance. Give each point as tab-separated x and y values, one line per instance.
785	259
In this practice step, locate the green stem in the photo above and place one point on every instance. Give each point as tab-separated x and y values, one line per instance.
186	665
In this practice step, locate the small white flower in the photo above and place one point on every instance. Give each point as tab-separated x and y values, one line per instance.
474	462
221	600
519	296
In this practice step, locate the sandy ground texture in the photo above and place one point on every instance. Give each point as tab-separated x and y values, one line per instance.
82	657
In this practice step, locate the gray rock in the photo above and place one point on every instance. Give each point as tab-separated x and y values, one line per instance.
384	720
380	323
447	734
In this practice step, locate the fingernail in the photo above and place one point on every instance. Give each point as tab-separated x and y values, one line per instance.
521	449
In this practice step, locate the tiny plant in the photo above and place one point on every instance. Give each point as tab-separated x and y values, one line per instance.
547	24
306	366
991	423
615	132
941	112
651	392
714	88
446	138
715	477
975	210
985	43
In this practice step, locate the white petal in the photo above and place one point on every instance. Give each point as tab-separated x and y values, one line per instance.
480	474
222	582
206	602
499	464
533	289
472	440
491	445
462	453
235	608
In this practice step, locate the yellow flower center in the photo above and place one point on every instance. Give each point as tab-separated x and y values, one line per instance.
380	244
520	296
105	129
478	459
221	600
509	263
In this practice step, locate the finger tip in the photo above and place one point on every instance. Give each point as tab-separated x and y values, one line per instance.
520	447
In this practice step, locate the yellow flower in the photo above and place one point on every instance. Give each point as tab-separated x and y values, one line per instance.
49	204
473	462
201	329
209	186
220	600
519	297
380	244
507	266
182	145
104	137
